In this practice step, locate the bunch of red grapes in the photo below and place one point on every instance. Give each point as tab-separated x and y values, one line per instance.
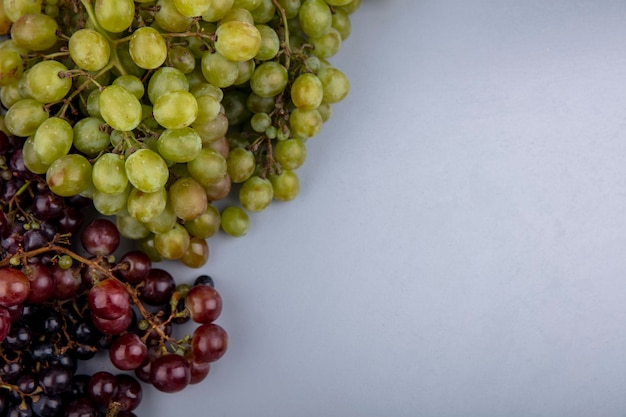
58	308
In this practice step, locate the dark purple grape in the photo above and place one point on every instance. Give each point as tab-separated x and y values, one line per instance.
136	266
19	337
170	373
42	351
67	282
41	283
128	352
55	379
158	287
27	383
129	392
100	237
16	411
11	187
204	280
79	386
47	205
34	239
81	407
70	220
66	359
102	387
48	406
11	371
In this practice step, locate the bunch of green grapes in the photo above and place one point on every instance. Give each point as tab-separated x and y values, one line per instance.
158	109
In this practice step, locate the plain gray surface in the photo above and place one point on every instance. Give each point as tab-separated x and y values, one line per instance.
458	245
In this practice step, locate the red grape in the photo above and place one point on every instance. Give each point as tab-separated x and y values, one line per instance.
100	237
14	287
128	352
204	303
170	373
108	299
209	342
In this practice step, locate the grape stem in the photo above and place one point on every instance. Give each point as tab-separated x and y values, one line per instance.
283	16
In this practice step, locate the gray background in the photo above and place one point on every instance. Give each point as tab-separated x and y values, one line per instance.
458	245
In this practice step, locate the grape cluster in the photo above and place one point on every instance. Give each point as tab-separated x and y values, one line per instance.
58	308
158	109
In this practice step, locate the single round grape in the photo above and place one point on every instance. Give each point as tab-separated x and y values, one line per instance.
170	373
191	8
101	387
246	69
31	160
109	174
315	17
205	225
163	221
209	342
351	7
199	370
11	67
212	131
326	111
169	18
147	48
108	299
93	104
328	44
179	145
53	139
197	254
47	82
335	83
119	108
166	79
173	243
258	104
55	379
137	265
260	122
241	164
113	326
290	153
264	12
14	287
10	94
204	303
131	83
146	170
286	185
115	15
208	167
90	136
307	91
89	49
235	221
256	194
128	352
35	32
189	200
341	22
130	227
208	109
128	395
69	175
100	237
270	43
220	189
206	89
305	123
269	79
16	9
291	7
218	70
175	109
238	41
146	206
217	10
159	285
110	204
181	58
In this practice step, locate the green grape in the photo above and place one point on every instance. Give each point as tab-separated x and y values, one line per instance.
188	198
335	83
11	68
341	22
235	221
291	7
146	170
115	15
315	17
237	41
109	174
90	136
205	225
195	77
174	243
234	103
53	139
15	9
256	194
246	69
260	122
217	10
338	2
35	32
93	104
147	48
206	89
179	145
286	185
69	175
208	167
218	70
182	59
269	79
192	8
258	104
271	132
110	204
237	13
197	253
31	160
147	119
305	123
240	164
208	109
9	95
328	44
89	49
132	84
307	91
270	43
146	206
247	4
164	221
126	61
290	153
351	7
164	80
52	10
169	18
220	189
119	108
24	117
131	228
326	111
264	12
175	109
313	63
221	146
212	131
47	82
